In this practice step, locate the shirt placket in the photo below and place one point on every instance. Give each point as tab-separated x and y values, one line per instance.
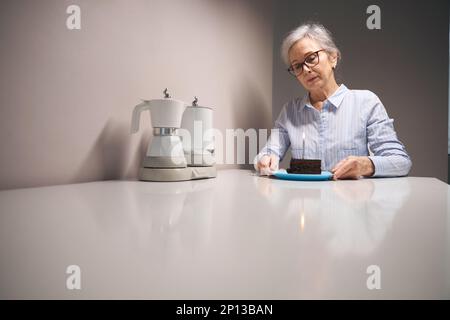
323	124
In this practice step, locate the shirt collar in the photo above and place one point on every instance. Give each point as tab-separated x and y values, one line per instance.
335	99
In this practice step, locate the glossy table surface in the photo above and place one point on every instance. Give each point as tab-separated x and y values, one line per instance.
238	236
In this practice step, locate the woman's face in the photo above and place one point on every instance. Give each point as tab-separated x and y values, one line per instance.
315	77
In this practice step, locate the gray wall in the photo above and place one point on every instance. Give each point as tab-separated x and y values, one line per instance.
66	96
405	64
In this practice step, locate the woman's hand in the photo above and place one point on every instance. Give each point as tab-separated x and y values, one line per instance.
267	164
353	167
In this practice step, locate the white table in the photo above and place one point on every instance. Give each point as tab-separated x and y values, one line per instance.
237	236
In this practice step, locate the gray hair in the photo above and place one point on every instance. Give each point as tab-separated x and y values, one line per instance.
314	31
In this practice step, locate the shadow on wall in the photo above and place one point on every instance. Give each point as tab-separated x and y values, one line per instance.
108	157
249	110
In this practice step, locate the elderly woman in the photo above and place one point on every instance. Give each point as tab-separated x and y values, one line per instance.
340	125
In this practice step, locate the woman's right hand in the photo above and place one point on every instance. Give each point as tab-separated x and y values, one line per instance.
267	164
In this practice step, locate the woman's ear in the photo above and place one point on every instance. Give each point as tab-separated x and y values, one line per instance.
333	58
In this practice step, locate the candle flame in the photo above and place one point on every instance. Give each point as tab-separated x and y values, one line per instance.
302	222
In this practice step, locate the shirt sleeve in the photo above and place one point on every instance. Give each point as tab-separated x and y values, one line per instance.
389	154
278	142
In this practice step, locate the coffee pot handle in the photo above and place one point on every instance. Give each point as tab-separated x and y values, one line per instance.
137	115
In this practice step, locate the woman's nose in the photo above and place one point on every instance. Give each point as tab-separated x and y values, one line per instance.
306	68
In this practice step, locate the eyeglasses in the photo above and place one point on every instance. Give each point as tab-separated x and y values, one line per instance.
311	60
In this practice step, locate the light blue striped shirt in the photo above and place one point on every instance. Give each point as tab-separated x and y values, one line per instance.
351	123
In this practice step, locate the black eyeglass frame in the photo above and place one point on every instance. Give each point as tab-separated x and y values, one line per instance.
291	68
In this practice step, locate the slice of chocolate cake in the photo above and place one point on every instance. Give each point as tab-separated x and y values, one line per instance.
305	166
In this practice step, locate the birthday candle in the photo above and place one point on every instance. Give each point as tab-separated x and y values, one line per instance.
303	154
